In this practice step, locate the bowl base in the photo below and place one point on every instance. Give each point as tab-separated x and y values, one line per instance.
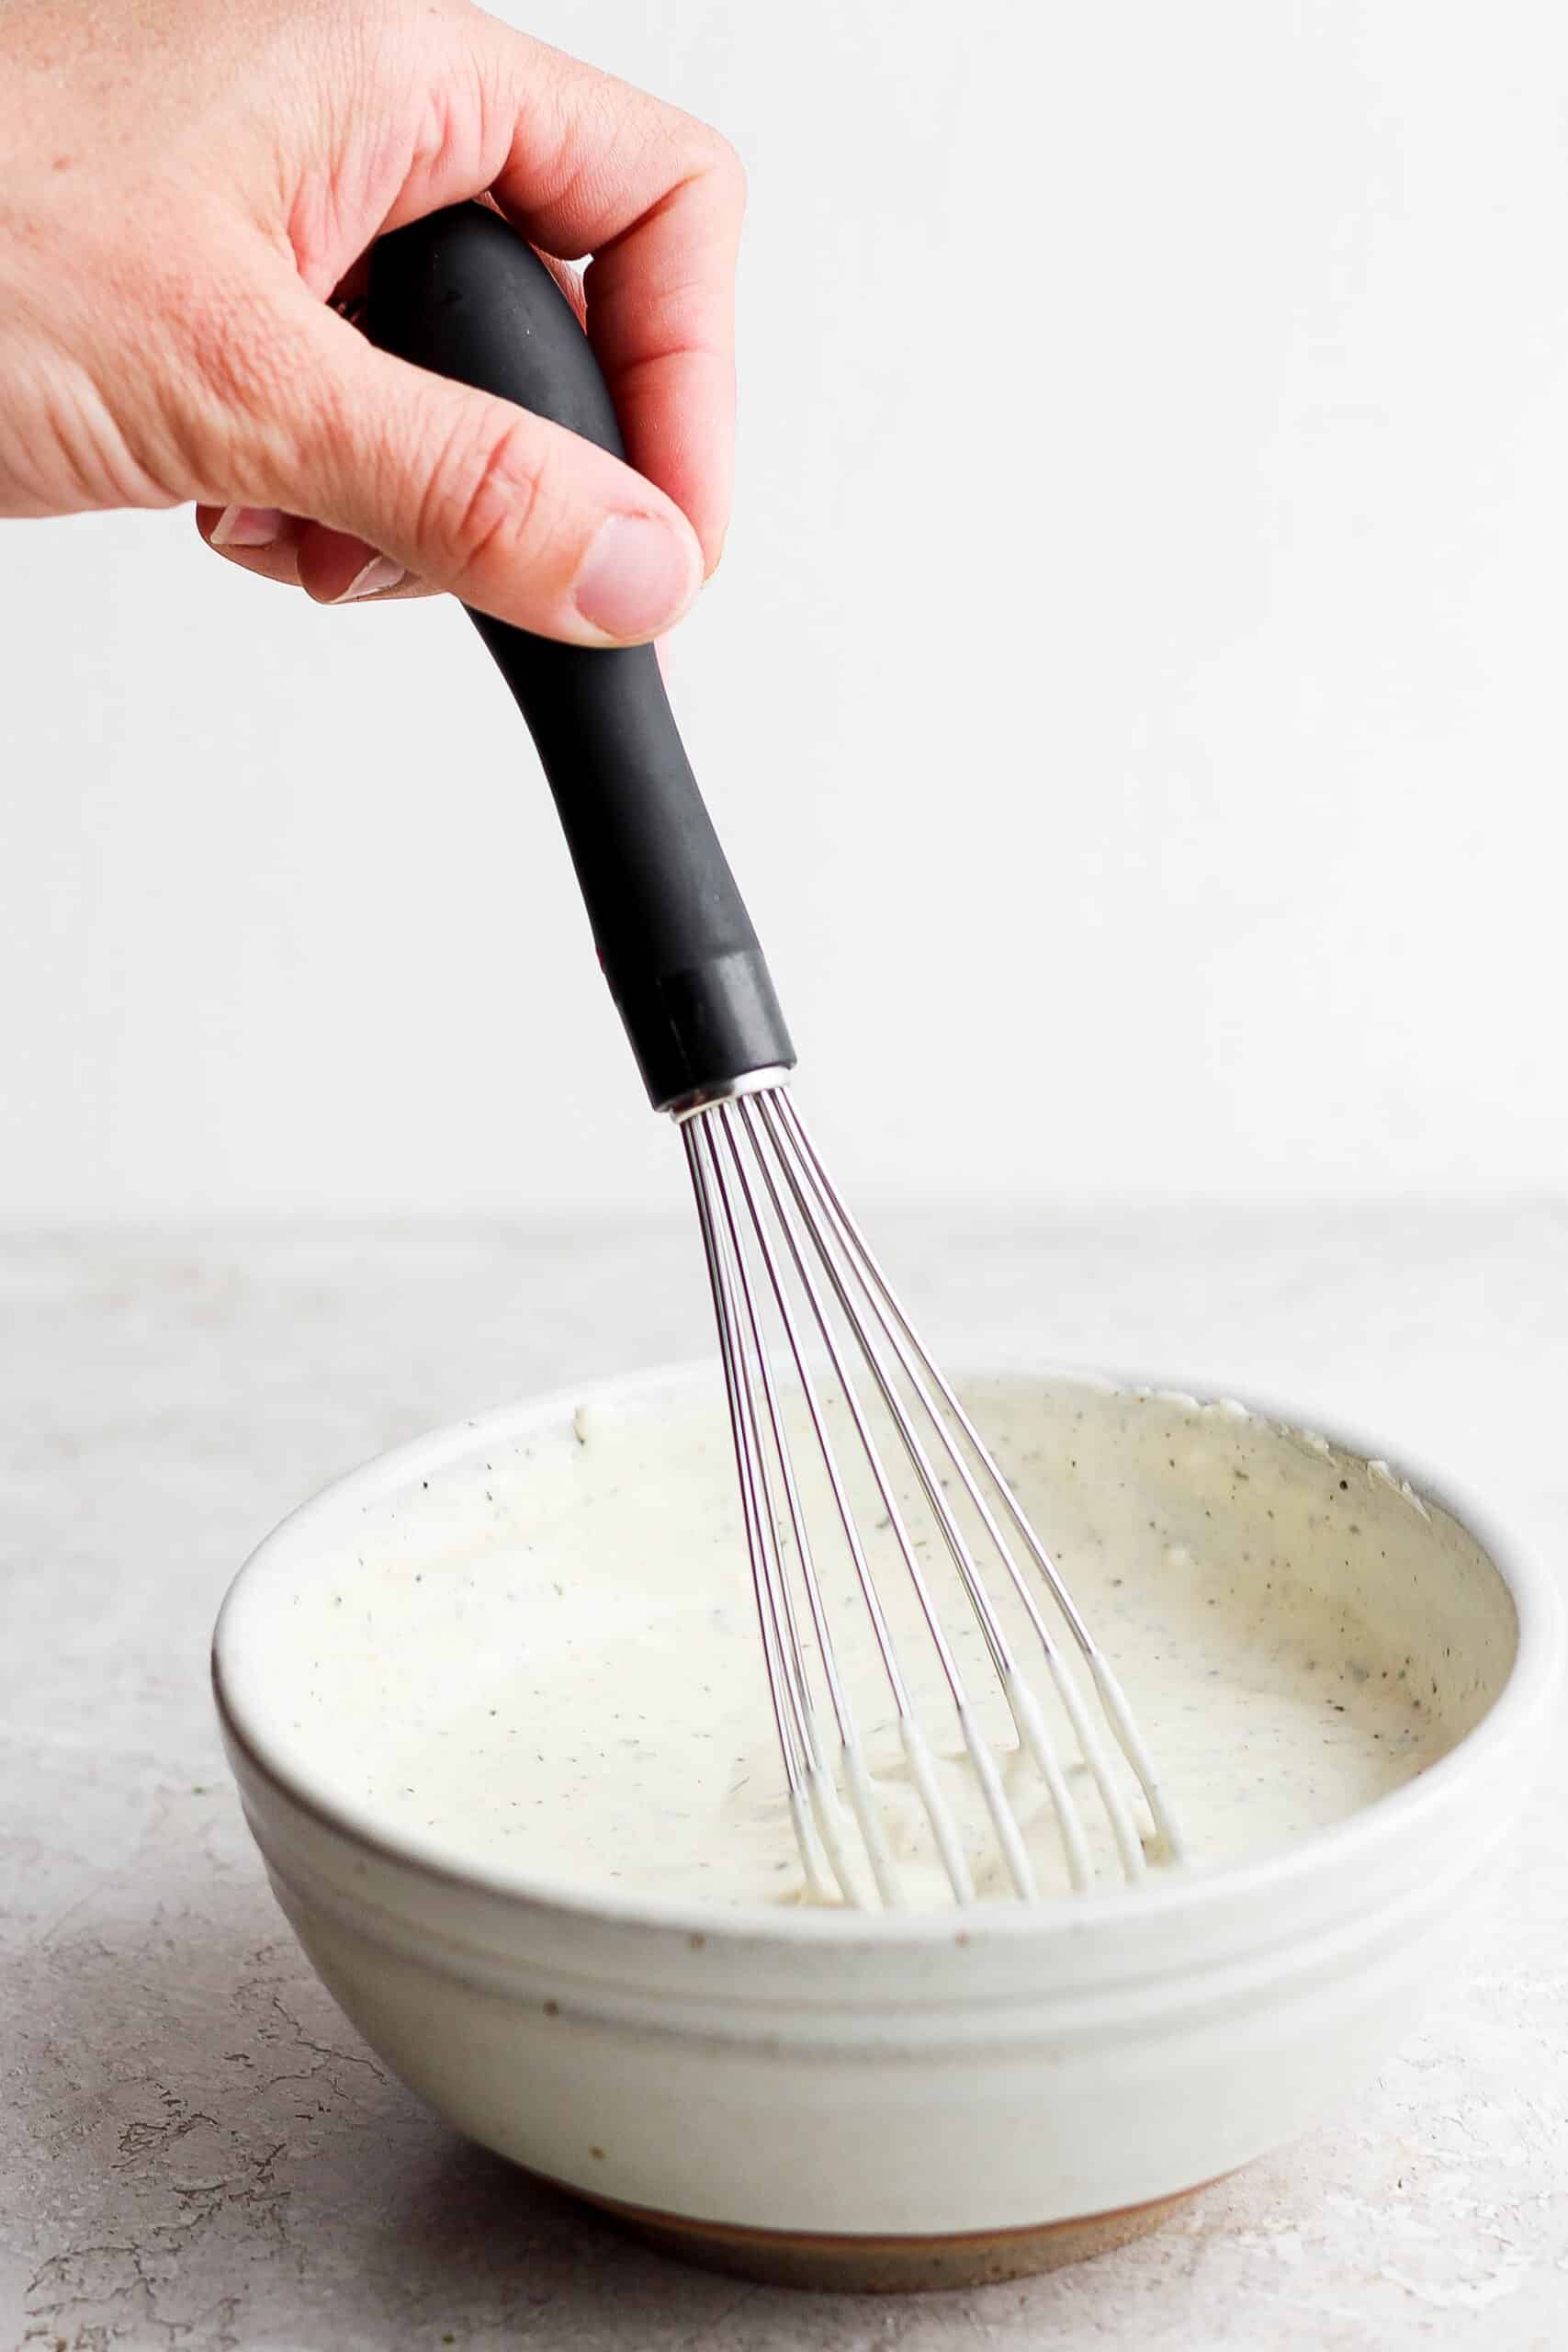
888	2266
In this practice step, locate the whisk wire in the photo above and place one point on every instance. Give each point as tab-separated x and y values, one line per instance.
792	1728
753	1114
921	1769
765	1200
826	1810
783	1116
795	1147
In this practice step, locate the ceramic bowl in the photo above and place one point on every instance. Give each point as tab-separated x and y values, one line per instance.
828	2096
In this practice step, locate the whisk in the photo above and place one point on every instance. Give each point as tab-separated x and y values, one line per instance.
816	1348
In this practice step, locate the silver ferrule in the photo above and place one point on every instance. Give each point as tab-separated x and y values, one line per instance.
751	1082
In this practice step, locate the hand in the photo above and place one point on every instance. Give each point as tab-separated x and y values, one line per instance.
184	186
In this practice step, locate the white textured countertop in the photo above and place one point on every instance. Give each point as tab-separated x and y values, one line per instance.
195	2150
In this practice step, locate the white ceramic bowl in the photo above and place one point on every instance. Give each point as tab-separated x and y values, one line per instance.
875	2100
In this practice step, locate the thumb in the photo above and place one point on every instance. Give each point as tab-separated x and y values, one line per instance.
512	513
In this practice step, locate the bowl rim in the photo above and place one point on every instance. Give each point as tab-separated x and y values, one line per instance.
1536	1671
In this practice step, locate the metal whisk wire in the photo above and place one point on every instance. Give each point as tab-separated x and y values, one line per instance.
768	1208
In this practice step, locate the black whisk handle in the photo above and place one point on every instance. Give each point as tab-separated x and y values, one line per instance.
461	294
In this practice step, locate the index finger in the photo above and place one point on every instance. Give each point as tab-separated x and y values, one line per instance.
591	167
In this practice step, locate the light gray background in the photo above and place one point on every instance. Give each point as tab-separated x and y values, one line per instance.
1132	693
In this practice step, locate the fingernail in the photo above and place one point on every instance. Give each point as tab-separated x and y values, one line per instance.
378	573
637	576
247	526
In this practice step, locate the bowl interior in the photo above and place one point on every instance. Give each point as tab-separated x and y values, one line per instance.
530	1646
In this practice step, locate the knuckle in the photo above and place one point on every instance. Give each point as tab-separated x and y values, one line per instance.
699	157
726	170
230	352
484	501
248	397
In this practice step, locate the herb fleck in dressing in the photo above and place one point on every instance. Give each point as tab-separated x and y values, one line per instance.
556	1672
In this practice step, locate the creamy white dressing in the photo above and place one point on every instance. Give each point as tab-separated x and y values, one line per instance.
547	1659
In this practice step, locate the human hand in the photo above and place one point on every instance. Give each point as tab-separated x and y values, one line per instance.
184	186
